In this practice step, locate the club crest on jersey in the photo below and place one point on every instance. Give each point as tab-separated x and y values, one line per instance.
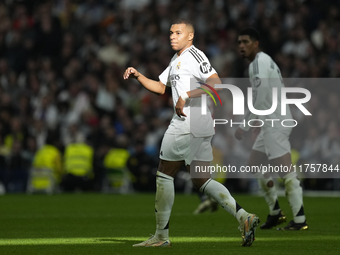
178	66
205	67
173	79
257	81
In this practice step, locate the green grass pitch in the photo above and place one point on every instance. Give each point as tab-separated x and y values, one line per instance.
110	224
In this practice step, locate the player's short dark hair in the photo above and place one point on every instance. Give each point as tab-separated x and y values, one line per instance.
187	22
251	32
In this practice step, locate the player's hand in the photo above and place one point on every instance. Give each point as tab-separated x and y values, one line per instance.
179	107
239	133
131	72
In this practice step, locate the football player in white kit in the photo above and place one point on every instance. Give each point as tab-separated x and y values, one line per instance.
272	143
185	144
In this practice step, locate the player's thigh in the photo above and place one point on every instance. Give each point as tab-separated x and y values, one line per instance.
174	150
199	172
174	147
201	149
276	144
257	158
200	157
186	147
258	147
170	167
284	160
258	155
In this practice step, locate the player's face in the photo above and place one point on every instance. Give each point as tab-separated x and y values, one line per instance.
180	37
248	48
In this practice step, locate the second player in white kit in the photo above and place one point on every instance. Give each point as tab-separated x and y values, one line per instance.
272	143
264	75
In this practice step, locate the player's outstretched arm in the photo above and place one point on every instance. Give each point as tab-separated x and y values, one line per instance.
156	87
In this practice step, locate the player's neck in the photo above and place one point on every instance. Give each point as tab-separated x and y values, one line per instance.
182	50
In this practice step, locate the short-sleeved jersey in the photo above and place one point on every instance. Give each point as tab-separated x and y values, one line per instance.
191	64
264	75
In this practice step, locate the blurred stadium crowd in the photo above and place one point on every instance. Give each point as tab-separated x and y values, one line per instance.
61	66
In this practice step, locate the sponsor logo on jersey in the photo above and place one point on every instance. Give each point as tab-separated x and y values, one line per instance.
205	67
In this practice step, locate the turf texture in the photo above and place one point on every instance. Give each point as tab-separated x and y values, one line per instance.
110	224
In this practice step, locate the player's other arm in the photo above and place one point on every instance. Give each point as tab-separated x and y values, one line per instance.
156	87
211	81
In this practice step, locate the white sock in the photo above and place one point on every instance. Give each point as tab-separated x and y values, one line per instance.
295	197
221	194
270	195
165	196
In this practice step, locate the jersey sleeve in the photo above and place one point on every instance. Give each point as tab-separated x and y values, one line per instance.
163	77
201	67
260	84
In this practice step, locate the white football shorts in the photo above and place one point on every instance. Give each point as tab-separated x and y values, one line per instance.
274	143
186	147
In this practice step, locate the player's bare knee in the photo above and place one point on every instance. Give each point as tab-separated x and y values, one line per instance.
169	168
198	182
270	184
163	178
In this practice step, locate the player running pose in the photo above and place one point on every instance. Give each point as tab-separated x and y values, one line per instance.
185	144
272	143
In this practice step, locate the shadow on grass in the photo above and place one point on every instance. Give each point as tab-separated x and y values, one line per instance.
118	241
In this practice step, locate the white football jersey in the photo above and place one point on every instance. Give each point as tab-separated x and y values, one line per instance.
264	75
191	64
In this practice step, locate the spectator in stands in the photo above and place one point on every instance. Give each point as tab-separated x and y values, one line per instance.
47	170
78	167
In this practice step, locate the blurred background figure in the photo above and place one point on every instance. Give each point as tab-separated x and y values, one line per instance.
46	171
117	175
78	166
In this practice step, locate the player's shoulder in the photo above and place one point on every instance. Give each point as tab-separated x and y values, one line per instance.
196	55
262	58
261	61
198	51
